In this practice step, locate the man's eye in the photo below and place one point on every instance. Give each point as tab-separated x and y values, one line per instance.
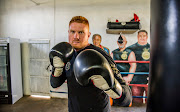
72	31
81	32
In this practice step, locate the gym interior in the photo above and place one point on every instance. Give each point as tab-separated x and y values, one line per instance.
30	28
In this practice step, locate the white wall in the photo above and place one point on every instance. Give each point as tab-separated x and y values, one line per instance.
26	20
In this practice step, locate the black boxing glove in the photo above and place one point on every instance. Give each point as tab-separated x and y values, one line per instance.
92	65
59	55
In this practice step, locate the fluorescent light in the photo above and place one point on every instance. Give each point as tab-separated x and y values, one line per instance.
39	96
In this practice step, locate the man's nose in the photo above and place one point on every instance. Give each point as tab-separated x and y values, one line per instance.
142	37
76	35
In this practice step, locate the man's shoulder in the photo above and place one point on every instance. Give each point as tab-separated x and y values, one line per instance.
128	50
115	50
91	46
104	47
148	44
95	48
132	46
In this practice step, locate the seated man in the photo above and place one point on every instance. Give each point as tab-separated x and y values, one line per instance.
122	53
142	52
97	42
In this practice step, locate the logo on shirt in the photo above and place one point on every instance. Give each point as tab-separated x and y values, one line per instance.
145	54
68	65
124	55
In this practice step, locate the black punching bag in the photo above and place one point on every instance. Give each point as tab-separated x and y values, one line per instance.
164	83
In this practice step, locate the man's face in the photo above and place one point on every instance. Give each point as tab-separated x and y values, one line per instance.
122	45
97	41
142	38
78	35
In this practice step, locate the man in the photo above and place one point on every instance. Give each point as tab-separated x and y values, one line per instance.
91	97
142	53
124	54
97	42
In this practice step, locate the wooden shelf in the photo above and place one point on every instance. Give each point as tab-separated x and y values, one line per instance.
123	31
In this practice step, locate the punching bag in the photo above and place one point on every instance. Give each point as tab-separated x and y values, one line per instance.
164	82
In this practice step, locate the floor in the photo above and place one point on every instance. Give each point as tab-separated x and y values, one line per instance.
32	104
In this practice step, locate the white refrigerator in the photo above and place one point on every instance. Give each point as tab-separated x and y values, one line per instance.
10	71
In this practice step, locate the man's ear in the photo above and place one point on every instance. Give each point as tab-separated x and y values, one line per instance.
89	34
117	43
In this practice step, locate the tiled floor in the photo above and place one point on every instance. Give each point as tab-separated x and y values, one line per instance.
31	104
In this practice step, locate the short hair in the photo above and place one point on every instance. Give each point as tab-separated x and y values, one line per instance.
143	31
95	36
79	19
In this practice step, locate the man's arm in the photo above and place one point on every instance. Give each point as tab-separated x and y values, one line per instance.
132	68
92	65
126	97
57	81
59	55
